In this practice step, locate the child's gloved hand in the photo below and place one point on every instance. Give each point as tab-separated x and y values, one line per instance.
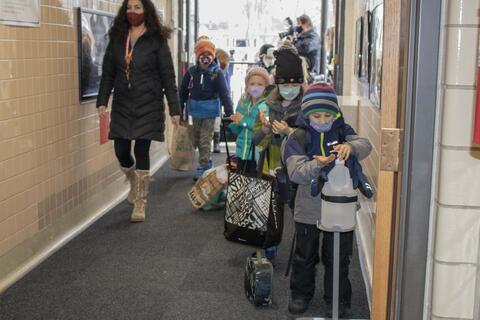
343	151
324	160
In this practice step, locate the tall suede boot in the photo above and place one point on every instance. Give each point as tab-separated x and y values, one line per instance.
142	178
130	176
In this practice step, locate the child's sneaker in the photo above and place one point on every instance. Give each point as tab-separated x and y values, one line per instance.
198	173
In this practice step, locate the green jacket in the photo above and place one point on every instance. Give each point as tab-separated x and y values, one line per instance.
243	130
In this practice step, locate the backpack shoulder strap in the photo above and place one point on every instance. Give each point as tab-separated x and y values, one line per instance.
300	135
191	71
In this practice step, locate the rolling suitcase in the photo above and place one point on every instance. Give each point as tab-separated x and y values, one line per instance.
258	280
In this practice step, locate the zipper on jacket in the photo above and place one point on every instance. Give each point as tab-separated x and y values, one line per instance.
246	135
322	137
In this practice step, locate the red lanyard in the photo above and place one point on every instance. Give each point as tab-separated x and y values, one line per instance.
129	55
128	50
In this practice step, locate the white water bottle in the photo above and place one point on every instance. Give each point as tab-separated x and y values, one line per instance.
339	200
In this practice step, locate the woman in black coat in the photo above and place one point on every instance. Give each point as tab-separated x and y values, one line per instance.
138	66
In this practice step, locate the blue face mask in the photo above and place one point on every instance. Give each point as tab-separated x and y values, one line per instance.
289	93
321	127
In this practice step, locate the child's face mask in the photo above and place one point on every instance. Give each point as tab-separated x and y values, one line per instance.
289	92
255	91
321	127
268	61
205	59
321	121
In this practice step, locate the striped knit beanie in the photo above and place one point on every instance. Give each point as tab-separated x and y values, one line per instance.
320	97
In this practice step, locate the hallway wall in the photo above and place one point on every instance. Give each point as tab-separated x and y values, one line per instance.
54	175
365	118
456	256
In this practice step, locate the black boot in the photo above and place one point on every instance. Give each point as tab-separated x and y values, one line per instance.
297	305
216	142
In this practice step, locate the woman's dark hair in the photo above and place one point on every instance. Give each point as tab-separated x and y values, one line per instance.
120	24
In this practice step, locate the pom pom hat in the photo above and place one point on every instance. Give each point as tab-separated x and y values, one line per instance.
204	46
320	97
258	71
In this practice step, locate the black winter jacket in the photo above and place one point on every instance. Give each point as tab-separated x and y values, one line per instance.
308	46
138	112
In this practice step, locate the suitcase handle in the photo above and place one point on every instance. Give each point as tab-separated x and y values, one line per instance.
226	121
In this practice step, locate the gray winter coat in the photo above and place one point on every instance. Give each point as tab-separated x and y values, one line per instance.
302	171
273	141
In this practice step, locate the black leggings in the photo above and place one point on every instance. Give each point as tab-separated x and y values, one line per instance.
141	150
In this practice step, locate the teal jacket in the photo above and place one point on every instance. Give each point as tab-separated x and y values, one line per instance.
243	130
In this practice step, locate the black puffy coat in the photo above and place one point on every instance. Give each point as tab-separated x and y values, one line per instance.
138	112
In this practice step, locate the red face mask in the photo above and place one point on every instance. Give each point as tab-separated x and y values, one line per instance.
135	19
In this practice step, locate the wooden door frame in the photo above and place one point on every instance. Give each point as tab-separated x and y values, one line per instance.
392	101
409	102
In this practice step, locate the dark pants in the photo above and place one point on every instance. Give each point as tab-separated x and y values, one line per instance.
302	281
141	150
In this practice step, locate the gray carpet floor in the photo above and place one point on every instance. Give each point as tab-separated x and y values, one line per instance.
176	265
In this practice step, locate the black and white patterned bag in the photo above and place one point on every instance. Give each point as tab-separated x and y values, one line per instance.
250	211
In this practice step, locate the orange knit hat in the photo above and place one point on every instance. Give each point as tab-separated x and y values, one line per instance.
204	46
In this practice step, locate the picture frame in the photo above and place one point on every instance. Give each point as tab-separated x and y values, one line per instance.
358	47
366	42
376	55
93	26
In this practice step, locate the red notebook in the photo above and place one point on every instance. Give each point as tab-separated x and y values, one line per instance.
104	127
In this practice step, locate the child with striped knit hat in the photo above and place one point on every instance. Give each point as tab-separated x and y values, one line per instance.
321	137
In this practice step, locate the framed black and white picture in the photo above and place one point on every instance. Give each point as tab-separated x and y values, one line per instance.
358	47
376	55
93	29
366	41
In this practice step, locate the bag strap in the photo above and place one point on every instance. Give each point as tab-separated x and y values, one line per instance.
265	154
251	151
190	71
224	121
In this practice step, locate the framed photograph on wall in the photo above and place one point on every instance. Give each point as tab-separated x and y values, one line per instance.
376	55
358	47
93	29
366	39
